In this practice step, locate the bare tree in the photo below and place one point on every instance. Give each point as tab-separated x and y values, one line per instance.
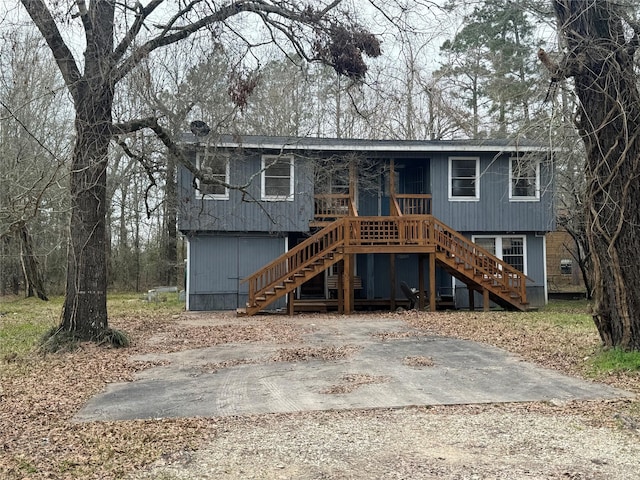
118	36
601	39
32	160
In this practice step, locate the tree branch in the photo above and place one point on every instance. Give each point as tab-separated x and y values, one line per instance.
43	20
223	13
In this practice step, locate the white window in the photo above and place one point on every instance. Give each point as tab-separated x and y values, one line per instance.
511	249
277	177
216	167
464	176
524	179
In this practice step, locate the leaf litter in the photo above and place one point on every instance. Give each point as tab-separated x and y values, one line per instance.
40	394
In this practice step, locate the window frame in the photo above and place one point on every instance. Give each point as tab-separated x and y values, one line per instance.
499	249
523	198
264	163
450	178
227	174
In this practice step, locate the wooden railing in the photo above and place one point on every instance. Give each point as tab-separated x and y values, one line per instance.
295	260
479	261
330	206
392	231
397	232
412	204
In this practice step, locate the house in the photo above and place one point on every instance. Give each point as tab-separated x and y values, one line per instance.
564	276
319	223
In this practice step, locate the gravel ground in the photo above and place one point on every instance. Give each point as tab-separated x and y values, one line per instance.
415	443
579	441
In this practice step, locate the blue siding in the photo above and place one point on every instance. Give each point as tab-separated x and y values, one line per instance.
493	212
230	239
244	211
217	264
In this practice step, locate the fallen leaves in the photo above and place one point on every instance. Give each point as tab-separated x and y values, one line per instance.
353	381
39	394
418	361
303	354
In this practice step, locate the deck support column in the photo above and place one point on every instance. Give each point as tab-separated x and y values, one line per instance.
340	287
472	299
392	280
348	283
421	289
432	282
291	296
485	300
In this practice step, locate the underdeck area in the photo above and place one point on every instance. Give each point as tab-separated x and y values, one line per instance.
409	229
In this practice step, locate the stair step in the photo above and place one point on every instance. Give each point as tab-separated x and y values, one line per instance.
279	287
260	299
241	312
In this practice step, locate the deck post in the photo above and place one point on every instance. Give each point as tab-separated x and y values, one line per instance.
485	300
348	283
472	299
421	289
392	280
340	287
291	302
432	282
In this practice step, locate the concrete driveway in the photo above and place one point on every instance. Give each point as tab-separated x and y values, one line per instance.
343	363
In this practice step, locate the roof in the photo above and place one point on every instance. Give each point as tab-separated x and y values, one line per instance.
364	145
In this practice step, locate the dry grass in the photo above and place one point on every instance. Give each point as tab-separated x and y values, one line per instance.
40	394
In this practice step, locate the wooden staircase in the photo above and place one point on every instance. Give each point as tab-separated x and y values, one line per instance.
293	268
476	267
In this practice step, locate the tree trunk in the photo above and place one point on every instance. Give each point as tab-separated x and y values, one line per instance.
170	253
85	305
34	283
601	62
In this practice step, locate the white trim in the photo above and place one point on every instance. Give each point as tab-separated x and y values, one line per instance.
474	198
187	287
214	196
382	146
498	247
263	168
513	198
544	269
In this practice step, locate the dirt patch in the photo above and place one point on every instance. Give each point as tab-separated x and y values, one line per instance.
353	381
304	354
418	361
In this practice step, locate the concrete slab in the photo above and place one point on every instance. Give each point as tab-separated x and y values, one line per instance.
390	365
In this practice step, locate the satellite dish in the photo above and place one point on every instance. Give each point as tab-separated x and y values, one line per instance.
199	128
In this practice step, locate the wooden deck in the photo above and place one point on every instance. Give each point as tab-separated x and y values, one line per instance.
401	232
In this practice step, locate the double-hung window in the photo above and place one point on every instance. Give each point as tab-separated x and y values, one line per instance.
215	167
464	176
277	178
511	249
524	176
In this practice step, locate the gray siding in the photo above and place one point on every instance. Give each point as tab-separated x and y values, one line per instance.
230	239
245	212
493	212
217	264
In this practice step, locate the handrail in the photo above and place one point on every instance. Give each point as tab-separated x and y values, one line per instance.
332	205
414	203
480	260
394	231
394	207
295	260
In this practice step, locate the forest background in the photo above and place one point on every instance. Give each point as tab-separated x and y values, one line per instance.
447	71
